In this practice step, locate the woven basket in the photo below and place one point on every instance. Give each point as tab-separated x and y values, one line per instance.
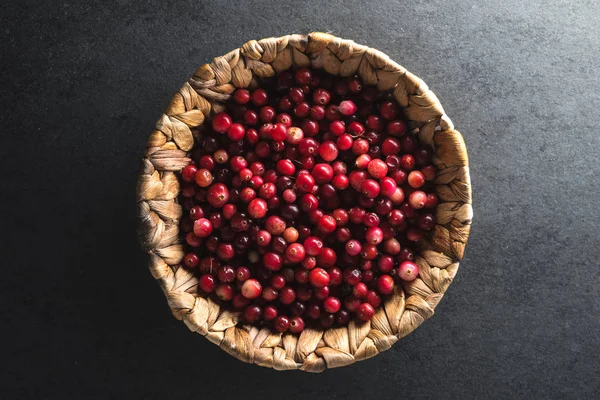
167	152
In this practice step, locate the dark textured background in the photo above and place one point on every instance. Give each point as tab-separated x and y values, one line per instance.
82	84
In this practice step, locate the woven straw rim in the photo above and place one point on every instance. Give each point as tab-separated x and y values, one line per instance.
167	152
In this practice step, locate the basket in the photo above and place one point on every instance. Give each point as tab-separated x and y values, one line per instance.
167	152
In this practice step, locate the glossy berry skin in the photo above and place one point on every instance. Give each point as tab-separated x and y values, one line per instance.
295	253
207	283
385	284
408	271
272	261
189	173
251	289
365	312
322	173
221	122
319	278
332	304
257	208
259	97
281	323
202	227
296	325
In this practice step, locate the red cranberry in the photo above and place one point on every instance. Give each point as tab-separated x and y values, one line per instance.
226	274
360	146
257	208
308	202
207	283
322	173
270	313
193	240
221	122
360	290
369	251
389	110
275	225
408	271
296	325
352	276
191	260
326	320
328	151
241	96
347	107
373	298
344	142
272	261
259	97
251	289
377	168
224	291
252	313
287	295
321	97
370	188
218	195
202	227
295	253
318	277
375	123
365	312
337	128
332	304
396	128
385	284
278	282
356	128
242	274
416	179
281	323
417	199
189	173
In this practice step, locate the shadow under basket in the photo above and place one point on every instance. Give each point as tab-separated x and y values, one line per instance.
168	151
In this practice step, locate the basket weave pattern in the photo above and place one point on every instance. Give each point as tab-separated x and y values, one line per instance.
167	152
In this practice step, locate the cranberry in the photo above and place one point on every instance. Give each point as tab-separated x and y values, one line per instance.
328	151
356	128
202	227
360	290
370	188
191	260
207	283
217	195
396	128
296	325
385	284
337	128
377	168
259	97
257	208
416	179
295	253
321	97
365	312
327	320
281	323
332	304
347	107
344	142
224	291
389	110
272	261
373	298
352	276
360	146
287	295
375	123
408	271
189	173
221	122
318	277
313	311
193	240
417	199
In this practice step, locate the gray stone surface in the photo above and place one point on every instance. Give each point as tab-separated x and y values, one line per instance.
81	86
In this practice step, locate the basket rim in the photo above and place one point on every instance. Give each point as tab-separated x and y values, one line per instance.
167	152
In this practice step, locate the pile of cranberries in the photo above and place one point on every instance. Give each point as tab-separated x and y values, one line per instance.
304	201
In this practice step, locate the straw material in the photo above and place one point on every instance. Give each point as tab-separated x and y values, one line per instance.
167	152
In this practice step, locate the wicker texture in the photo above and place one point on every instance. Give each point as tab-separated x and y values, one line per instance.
159	213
